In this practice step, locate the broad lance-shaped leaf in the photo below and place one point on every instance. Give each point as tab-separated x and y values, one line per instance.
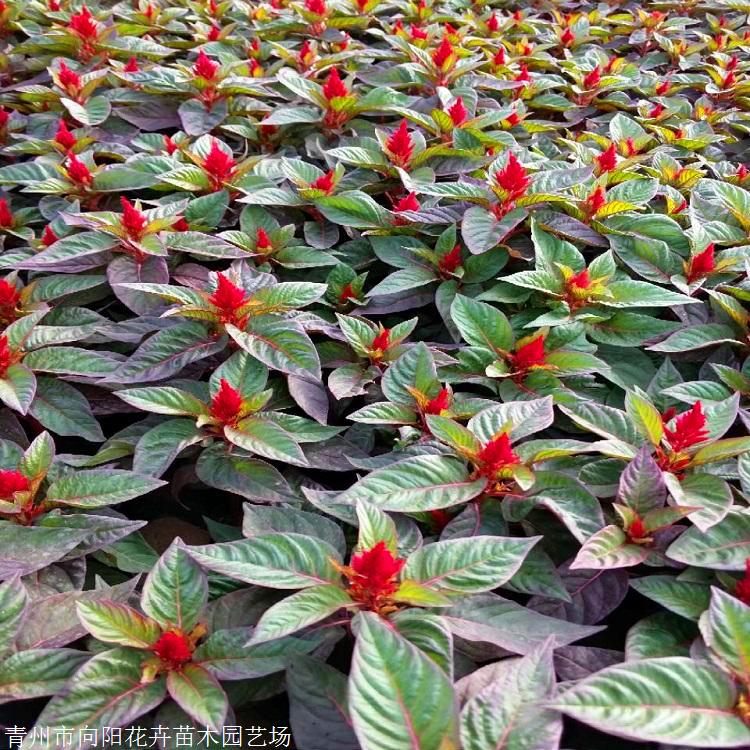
673	700
725	546
38	672
100	487
468	566
24	549
119	624
726	629
609	548
105	692
176	591
198	693
13	599
416	484
507	714
399	699
318	706
283	561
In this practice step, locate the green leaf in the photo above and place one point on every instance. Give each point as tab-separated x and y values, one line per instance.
13	599
283	561
197	692
685	598
673	700
266	439
416	484
481	324
117	623
609	548
645	416
97	488
17	388
164	400
64	410
399	699
724	546
470	565
726	630
38	672
175	592
353	209
299	610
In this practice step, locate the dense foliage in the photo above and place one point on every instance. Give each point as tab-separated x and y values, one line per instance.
417	331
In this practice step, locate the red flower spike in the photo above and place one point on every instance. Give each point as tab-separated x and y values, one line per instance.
513	119
84	25
457	112
636	531
10	299
443	54
593	79
228	297
689	430
630	148
213	33
6	356
663	87
6	215
221	167
742	589
729	80
78	171
400	145
306	54
205	67
513	178
133	221
12	481
670	413
64	137
181	225
656	110
48	236
448	30
451	260
4	117
523	75
492	23
580	280
409	203
733	63
334	87
69	79
169	145
497	454
440	519
416	33
347	293
499	57
567	37
679	209
132	66
440	403
226	404
324	183
607	160
742	172
373	575
702	264
318	7
382	341
529	355
262	240
53	5
596	201
174	649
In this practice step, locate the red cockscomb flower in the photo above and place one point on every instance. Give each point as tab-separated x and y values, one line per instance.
4	117
493	24
409	203
528	355
513	179
689	429
174	649
592	79
64	137
663	87
219	165
400	145
83	24
373	576
523	74
228	298
78	171
6	355
12	481
318	7
581	280
181	225
48	236
444	54
499	57
262	240
729	80
512	119
132	66
741	173
417	34
306	54
169	145
567	37
205	67
438	404
10	299
226	404
381	342
133	221
656	110
451	260
457	112
607	160
6	215
347	293
636	531
497	454
742	589
325	183
213	33
334	87
702	264
595	201
69	79
53	5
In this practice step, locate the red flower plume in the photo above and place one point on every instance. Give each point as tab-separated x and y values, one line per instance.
567	37
64	137
78	171
451	260
83	24
132	65
409	203
689	429
228	297
6	355
10	299
607	160
497	454
48	236
443	54
318	7
492	23
133	221
12	481
174	649
226	403
205	67
69	79
325	182
262	240
382	341
372	575
580	280
529	355
595	201
400	145
457	112
334	87
440	403
592	79
219	165
513	178
6	215
702	264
